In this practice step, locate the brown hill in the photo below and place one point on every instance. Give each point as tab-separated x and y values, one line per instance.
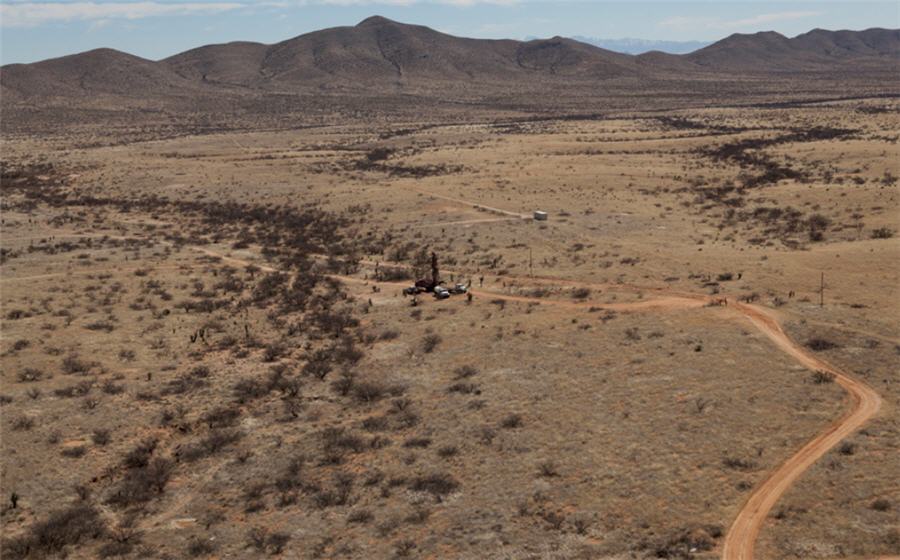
381	51
381	65
96	72
818	50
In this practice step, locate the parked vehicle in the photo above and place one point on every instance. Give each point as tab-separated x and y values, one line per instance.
459	289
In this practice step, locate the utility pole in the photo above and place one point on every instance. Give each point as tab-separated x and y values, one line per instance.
822	291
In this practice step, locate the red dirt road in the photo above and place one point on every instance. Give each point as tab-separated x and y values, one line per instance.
740	540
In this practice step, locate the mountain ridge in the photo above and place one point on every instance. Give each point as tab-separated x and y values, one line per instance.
381	57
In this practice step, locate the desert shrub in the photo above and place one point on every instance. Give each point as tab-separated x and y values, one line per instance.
256	538
182	384
273	352
847	448
199	547
419	516
819	377
214	442
360	516
417	442
375	423
50	537
80	389
111	388
404	548
389	334
104	326
438	485
738	464
222	417
344	384
818	344
253	496
72	364
139	457
464	388
683	543
333	323
248	389
512	421
881	504
30	375
369	391
142	484
394	274
554	519
464	372
75	452
345	351
547	469
581	293
379	154
337	496
101	436
446	451
200	372
336	442
430	342
318	364
817	224
276	542
882	233
115	548
22	423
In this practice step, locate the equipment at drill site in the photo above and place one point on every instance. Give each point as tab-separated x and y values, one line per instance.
433	284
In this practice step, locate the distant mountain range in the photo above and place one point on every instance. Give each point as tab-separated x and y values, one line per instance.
641	46
383	57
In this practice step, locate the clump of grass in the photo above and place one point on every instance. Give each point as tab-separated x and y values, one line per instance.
819	344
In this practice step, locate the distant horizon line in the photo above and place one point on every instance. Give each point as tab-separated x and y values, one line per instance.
593	41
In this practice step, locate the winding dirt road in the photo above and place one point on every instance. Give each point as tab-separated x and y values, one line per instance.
741	538
740	541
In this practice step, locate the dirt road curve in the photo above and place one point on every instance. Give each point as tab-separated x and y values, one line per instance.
741	538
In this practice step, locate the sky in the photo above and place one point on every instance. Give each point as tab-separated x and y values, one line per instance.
154	29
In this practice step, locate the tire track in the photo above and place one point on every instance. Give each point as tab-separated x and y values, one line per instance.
740	541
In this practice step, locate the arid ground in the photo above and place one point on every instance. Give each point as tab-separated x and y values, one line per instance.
206	351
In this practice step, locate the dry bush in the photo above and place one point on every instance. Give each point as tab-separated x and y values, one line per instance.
464	372
142	484
67	527
882	233
430	342
819	344
438	485
214	442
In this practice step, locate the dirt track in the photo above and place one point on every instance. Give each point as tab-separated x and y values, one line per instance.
741	538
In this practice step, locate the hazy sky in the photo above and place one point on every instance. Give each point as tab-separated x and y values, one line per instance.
156	28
